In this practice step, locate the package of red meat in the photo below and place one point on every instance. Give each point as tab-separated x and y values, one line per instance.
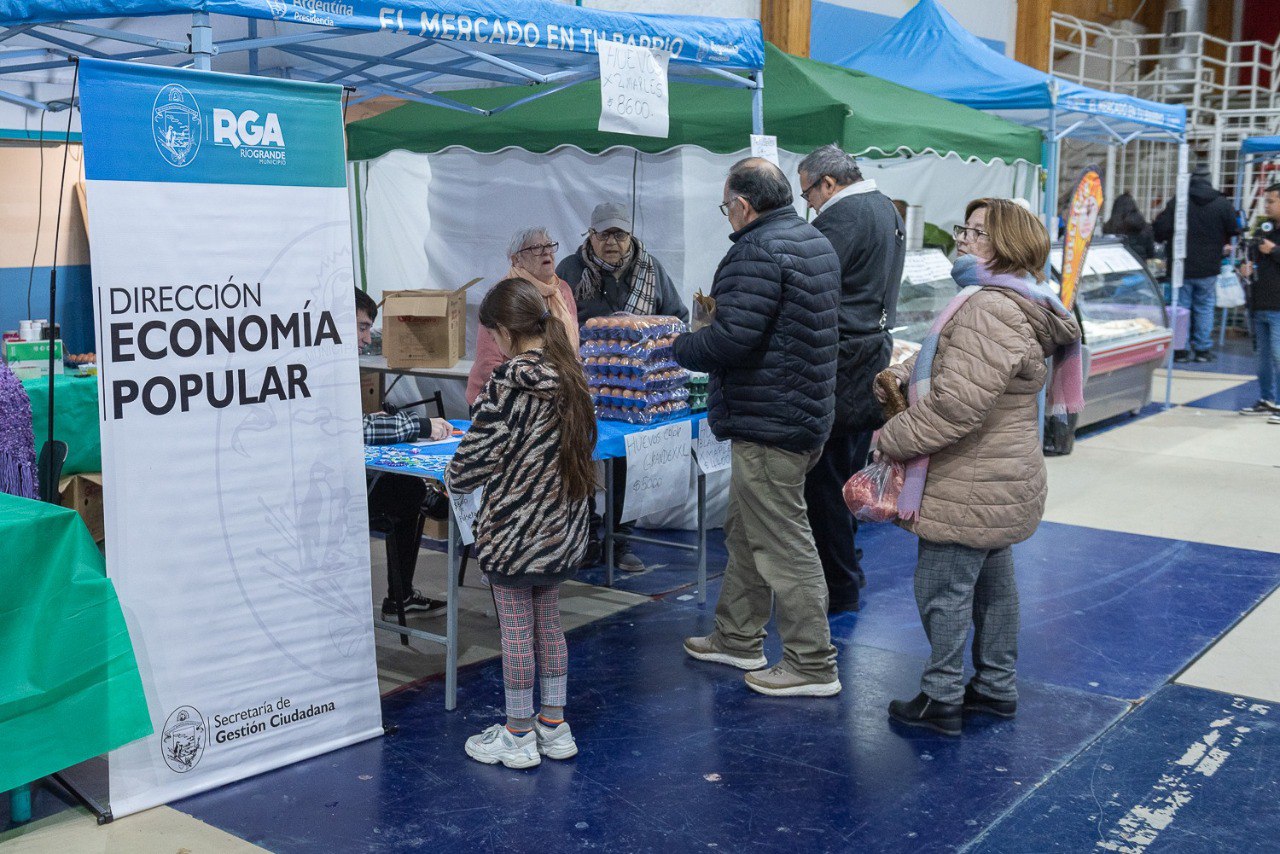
872	494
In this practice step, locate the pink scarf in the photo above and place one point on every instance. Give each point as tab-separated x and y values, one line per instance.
1066	388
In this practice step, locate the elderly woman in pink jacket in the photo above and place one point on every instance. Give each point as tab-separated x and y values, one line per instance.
533	258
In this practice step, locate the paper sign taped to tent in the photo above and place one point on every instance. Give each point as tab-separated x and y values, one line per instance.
657	469
766	146
634	97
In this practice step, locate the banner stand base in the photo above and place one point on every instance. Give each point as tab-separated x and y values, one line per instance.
87	783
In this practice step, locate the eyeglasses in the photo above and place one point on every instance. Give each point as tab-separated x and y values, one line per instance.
804	194
724	206
961	232
613	236
541	249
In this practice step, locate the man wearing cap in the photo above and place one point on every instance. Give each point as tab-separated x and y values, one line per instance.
612	272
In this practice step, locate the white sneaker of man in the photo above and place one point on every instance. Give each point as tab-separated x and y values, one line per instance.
709	648
782	681
555	742
499	744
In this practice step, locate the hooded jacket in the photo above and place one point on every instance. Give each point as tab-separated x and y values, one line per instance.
986	485
1211	223
771	345
527	532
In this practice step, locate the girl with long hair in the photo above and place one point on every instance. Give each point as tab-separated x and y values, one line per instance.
532	435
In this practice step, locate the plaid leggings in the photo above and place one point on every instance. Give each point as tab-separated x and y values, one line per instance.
530	621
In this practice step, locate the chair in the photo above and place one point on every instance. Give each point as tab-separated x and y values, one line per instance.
49	470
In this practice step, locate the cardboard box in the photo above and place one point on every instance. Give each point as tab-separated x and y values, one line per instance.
436	529
83	493
29	360
370	392
424	328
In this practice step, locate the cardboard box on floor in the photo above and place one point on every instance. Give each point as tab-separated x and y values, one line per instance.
83	493
425	328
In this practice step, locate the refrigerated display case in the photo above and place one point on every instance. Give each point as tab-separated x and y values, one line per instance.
1118	304
1126	337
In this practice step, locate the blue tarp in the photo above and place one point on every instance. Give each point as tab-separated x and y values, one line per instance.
929	51
1260	145
540	24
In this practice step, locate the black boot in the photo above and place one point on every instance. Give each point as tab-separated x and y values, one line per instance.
1182	355
977	702
928	713
1205	356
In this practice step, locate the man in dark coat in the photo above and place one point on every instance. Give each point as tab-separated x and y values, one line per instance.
868	235
1211	223
770	350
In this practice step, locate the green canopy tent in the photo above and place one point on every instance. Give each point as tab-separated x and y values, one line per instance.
806	104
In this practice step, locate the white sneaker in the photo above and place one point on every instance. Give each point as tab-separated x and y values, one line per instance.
555	742
708	648
1274	419
499	744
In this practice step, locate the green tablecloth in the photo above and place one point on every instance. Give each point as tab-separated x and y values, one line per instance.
69	683
75	400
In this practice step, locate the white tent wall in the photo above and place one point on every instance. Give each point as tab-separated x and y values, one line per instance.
440	220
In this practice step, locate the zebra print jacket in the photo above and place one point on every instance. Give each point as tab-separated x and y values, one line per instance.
527	532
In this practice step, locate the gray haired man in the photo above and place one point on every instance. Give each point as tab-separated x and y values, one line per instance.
868	236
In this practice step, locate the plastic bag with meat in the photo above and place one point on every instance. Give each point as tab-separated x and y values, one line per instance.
872	494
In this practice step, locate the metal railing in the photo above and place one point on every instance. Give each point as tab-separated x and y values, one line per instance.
1230	90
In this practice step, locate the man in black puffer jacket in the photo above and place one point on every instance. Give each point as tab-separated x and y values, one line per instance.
867	233
771	352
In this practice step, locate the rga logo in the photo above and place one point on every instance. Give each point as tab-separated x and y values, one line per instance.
278	8
184	739
261	139
176	125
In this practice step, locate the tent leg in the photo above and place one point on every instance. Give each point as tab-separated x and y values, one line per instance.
201	41
757	104
1175	275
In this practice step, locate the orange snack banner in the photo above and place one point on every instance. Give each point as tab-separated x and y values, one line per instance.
1086	207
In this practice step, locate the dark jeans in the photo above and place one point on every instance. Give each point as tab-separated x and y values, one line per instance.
619	492
834	527
395	506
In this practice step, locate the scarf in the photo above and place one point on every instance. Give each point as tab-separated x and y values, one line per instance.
17	443
555	302
1066	388
641	278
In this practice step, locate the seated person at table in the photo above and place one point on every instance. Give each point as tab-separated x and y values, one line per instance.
398	498
611	272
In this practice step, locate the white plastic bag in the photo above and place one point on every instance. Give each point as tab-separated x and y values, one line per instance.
1230	291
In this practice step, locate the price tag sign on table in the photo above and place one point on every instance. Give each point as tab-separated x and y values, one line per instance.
657	469
466	506
713	455
634	97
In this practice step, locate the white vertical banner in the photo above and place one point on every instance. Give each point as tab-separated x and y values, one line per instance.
234	491
634	96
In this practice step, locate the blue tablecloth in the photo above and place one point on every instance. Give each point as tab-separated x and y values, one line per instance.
432	460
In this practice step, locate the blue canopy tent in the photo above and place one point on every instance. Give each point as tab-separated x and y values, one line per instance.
929	51
413	50
1252	150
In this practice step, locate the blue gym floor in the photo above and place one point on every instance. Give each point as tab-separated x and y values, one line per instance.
1106	754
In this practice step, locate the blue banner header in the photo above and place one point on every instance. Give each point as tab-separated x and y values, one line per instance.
150	123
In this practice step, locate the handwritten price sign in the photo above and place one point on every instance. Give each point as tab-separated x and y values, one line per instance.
657	469
634	97
713	455
466	506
